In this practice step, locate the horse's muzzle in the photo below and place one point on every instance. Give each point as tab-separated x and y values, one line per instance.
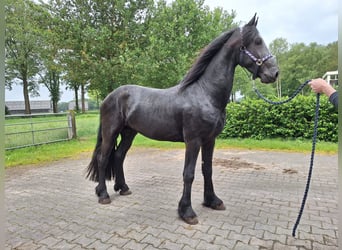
270	76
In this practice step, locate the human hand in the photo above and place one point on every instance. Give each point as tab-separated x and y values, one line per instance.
321	86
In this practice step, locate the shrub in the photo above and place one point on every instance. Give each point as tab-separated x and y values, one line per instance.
258	119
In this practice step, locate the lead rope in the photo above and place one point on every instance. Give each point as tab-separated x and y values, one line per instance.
314	140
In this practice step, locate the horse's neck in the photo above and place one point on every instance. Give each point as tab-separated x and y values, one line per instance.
218	78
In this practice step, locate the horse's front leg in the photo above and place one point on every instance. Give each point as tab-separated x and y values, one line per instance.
185	210
210	198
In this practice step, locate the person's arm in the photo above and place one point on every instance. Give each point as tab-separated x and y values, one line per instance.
334	99
321	86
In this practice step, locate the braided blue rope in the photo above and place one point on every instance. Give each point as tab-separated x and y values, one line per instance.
285	101
314	140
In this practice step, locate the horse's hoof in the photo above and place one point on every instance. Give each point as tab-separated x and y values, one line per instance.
219	207
104	201
127	192
191	220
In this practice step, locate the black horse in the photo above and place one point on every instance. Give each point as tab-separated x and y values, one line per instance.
192	112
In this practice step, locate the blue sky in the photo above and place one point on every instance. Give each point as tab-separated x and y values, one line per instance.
297	21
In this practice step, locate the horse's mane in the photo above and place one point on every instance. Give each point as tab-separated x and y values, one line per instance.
198	68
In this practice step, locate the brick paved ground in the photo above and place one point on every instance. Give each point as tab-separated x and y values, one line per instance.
54	207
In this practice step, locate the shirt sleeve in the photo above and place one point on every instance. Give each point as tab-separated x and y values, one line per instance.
334	99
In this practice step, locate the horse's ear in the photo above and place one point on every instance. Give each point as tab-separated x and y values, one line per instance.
253	21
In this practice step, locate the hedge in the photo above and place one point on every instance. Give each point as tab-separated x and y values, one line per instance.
258	119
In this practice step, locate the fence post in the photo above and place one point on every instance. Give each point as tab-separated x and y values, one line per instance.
72	125
32	130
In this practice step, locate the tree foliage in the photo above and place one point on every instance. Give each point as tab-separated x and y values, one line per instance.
176	33
299	62
97	45
22	44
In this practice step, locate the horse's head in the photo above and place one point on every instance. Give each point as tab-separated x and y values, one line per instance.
254	54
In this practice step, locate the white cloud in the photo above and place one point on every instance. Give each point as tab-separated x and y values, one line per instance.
295	20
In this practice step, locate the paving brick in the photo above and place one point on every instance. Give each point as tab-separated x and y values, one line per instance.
317	246
187	230
166	244
239	237
261	205
117	241
243	246
182	239
280	246
218	232
63	245
266	244
275	237
265	227
232	227
291	241
329	232
204	245
28	245
83	241
133	245
152	240
254	232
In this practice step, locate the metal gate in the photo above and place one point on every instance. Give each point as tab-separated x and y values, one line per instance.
36	129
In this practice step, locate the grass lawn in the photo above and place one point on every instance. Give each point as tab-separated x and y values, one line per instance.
87	130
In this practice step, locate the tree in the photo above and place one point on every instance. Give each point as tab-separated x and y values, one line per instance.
51	63
279	47
302	63
108	44
117	42
52	80
22	45
299	62
98	37
176	34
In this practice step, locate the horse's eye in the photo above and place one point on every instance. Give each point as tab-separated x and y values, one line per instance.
258	41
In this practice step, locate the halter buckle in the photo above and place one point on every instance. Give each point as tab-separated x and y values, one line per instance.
259	62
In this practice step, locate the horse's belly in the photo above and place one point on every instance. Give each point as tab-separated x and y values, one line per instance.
162	127
156	135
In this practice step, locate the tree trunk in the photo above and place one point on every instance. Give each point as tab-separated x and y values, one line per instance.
53	87
83	98
77	108
55	106
26	96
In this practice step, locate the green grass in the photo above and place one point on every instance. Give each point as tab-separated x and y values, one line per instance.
87	126
27	130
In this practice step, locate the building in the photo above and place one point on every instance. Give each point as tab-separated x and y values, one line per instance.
18	107
72	105
331	77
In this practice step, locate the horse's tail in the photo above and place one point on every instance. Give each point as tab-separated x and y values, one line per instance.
92	172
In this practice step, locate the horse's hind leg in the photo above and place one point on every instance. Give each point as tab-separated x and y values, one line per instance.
103	158
210	198
127	136
109	133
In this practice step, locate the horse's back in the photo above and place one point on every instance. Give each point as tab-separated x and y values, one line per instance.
155	113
